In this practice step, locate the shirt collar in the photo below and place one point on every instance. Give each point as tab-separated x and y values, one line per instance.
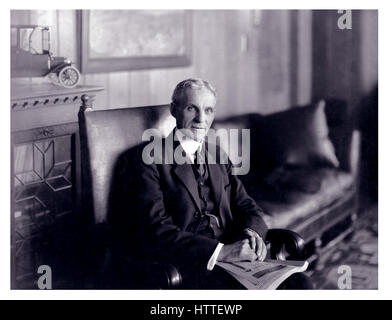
189	145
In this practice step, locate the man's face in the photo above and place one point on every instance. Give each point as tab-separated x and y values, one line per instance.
196	112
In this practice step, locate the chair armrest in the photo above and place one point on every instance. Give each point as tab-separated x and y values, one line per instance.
138	273
116	267
170	277
282	240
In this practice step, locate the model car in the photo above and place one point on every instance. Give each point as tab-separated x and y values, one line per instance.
31	56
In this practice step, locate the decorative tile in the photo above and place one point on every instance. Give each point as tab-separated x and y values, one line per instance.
26	178
42	192
59	183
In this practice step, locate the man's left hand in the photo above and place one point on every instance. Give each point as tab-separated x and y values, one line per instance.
256	243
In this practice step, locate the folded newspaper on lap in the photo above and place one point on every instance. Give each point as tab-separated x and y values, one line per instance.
267	274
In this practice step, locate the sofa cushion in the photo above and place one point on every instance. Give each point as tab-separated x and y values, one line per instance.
298	204
298	136
288	178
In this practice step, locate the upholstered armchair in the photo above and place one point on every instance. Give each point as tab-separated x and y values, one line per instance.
105	136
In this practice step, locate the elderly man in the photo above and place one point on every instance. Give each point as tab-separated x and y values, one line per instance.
198	213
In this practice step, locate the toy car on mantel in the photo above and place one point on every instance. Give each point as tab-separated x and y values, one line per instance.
27	61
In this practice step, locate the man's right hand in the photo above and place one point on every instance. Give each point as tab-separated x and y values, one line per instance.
237	251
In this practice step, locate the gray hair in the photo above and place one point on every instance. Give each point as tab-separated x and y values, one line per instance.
196	83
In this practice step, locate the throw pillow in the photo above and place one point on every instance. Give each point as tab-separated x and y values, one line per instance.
298	137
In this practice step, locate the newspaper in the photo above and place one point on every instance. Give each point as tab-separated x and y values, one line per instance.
267	274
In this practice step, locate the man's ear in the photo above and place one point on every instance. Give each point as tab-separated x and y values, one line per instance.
173	109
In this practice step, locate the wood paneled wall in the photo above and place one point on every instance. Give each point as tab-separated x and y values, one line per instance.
345	62
259	61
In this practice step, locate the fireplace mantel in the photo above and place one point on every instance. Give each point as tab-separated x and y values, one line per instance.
37	105
45	182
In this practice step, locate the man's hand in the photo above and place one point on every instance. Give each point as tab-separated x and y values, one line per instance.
256	243
237	251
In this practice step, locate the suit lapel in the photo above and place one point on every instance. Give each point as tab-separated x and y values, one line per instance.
185	174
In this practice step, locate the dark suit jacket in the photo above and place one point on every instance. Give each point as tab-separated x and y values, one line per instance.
167	200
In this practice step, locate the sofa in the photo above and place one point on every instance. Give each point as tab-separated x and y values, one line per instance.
304	169
302	173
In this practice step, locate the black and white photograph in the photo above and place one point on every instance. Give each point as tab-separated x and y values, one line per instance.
199	149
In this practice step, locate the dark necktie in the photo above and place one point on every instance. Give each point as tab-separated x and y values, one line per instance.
200	163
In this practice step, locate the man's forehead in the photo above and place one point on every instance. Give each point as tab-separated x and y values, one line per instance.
198	93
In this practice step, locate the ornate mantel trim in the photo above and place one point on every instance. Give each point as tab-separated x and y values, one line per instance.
47	95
